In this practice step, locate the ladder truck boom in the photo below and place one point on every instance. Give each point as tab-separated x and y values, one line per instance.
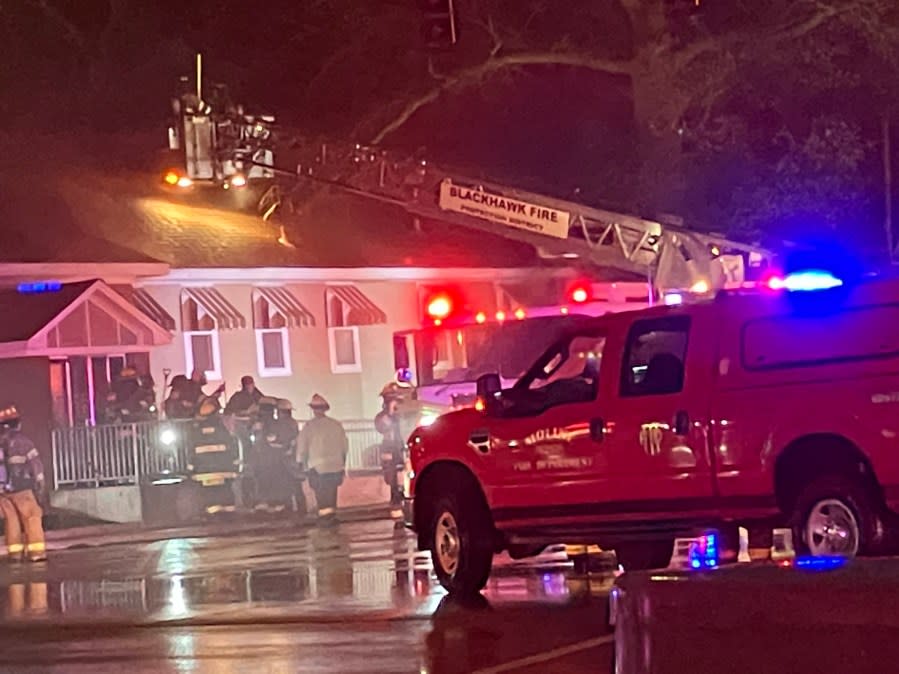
221	144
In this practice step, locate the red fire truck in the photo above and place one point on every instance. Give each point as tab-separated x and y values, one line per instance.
633	428
462	340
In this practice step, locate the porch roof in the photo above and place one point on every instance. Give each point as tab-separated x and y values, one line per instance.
82	317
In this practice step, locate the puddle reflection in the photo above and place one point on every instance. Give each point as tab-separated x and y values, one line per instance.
327	577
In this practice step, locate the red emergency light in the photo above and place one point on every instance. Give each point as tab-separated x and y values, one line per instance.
580	294
440	306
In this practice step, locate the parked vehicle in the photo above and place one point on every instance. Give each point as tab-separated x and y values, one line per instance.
766	405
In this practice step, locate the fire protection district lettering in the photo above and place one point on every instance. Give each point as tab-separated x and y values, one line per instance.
505	211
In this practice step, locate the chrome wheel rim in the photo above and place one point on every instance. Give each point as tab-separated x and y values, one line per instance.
832	529
446	543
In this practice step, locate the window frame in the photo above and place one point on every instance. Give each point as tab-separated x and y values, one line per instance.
678	323
265	371
211	375
339	368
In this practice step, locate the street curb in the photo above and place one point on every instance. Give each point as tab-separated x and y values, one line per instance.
117	534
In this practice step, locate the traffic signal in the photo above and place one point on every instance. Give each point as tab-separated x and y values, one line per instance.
438	27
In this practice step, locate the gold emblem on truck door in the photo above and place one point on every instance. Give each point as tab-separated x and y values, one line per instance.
651	436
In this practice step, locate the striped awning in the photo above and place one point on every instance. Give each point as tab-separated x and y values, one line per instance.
359	309
226	316
297	315
141	299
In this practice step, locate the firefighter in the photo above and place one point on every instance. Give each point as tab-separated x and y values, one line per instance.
131	398
24	478
178	405
279	449
193	389
322	447
243	402
260	470
213	457
288	431
387	423
241	409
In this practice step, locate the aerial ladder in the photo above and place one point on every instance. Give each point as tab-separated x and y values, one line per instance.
221	145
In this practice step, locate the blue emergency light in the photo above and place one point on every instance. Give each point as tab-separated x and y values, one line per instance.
827	563
802	281
704	555
36	287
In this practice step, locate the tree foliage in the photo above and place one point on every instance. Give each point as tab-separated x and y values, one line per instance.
755	116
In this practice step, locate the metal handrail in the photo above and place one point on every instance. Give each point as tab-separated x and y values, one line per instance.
123	454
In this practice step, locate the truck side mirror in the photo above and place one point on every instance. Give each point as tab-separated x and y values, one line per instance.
488	386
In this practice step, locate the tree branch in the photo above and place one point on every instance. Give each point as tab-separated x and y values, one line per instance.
469	76
738	38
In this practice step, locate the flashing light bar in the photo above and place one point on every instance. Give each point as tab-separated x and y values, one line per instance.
39	287
811	280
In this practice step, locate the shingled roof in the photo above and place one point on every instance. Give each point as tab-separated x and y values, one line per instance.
82	215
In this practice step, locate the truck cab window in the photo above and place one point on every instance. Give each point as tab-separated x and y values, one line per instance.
655	356
566	373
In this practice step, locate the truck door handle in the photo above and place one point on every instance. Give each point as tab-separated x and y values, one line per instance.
597	429
480	440
681	423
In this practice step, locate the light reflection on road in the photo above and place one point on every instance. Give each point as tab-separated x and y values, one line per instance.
323	575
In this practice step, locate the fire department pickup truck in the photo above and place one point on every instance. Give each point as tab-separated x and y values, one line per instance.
637	427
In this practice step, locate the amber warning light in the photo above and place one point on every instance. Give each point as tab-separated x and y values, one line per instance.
175	180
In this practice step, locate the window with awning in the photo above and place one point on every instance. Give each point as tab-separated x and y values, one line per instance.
275	310
276	304
349	306
208	309
205	311
152	309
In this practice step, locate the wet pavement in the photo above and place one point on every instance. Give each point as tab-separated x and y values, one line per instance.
356	598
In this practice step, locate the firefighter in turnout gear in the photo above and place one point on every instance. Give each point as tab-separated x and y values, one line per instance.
276	448
260	459
387	422
213	457
287	431
323	447
24	477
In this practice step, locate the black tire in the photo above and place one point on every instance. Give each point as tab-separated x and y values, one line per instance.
854	496
641	555
473	541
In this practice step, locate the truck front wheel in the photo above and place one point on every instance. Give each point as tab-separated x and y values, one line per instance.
461	545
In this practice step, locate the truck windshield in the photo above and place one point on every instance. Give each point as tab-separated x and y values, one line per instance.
566	373
461	354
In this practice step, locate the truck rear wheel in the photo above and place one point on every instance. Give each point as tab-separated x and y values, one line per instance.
461	545
834	515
